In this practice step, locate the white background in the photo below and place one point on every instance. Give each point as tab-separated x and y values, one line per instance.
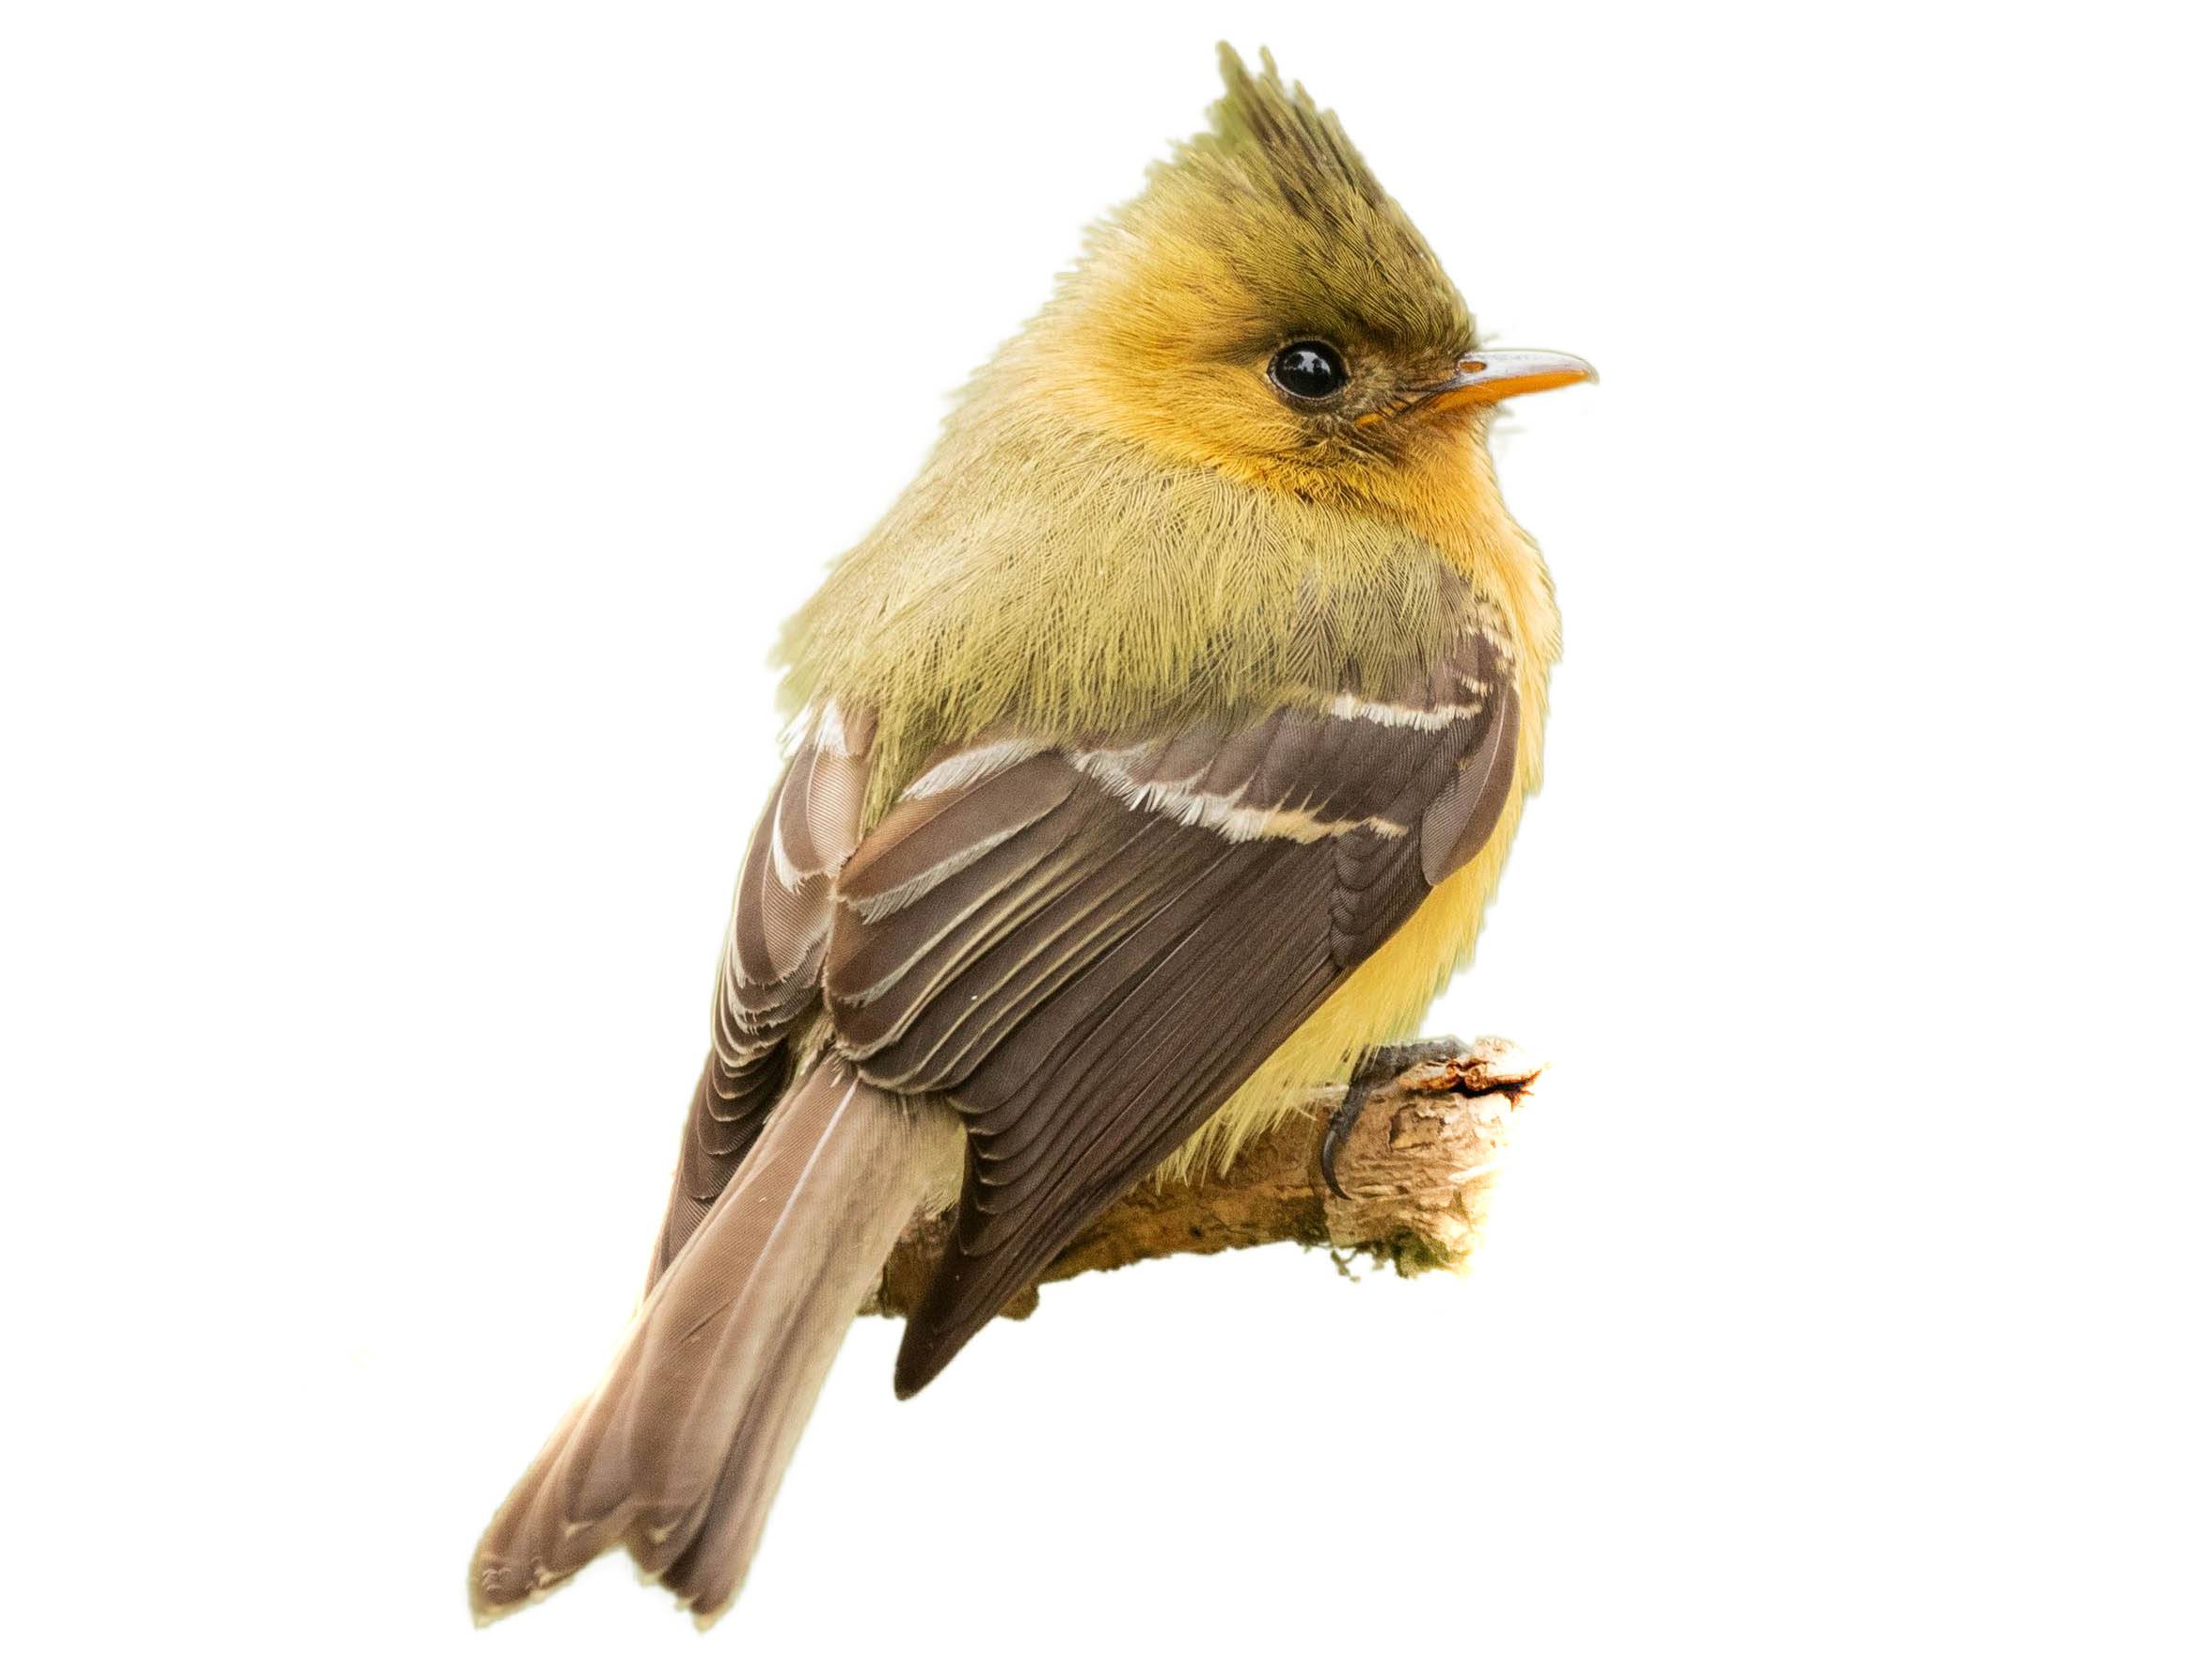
418	418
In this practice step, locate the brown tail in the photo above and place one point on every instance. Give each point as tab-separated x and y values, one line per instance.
678	1453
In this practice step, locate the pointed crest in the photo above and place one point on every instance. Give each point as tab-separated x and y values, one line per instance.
1276	191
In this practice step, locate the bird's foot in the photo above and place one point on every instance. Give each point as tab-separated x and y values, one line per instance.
1380	1066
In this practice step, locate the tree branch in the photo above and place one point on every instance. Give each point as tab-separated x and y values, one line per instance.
1416	1171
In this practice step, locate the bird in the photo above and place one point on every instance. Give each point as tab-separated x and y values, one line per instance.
1153	759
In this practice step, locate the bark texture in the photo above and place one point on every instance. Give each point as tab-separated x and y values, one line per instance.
1416	1171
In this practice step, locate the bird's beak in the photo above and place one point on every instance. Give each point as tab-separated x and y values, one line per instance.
1491	377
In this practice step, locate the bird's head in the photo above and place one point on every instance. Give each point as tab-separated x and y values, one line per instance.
1264	308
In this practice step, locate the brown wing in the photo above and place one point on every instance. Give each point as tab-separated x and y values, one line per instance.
769	982
1088	949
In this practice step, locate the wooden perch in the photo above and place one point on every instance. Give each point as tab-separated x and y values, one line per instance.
1416	1171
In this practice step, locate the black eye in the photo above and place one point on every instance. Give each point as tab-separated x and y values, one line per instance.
1308	368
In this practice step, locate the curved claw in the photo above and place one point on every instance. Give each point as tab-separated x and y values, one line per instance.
1380	1065
1341	1123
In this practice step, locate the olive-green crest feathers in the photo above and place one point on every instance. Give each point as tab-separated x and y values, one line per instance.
1275	189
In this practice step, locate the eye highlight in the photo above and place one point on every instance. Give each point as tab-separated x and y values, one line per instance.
1309	369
